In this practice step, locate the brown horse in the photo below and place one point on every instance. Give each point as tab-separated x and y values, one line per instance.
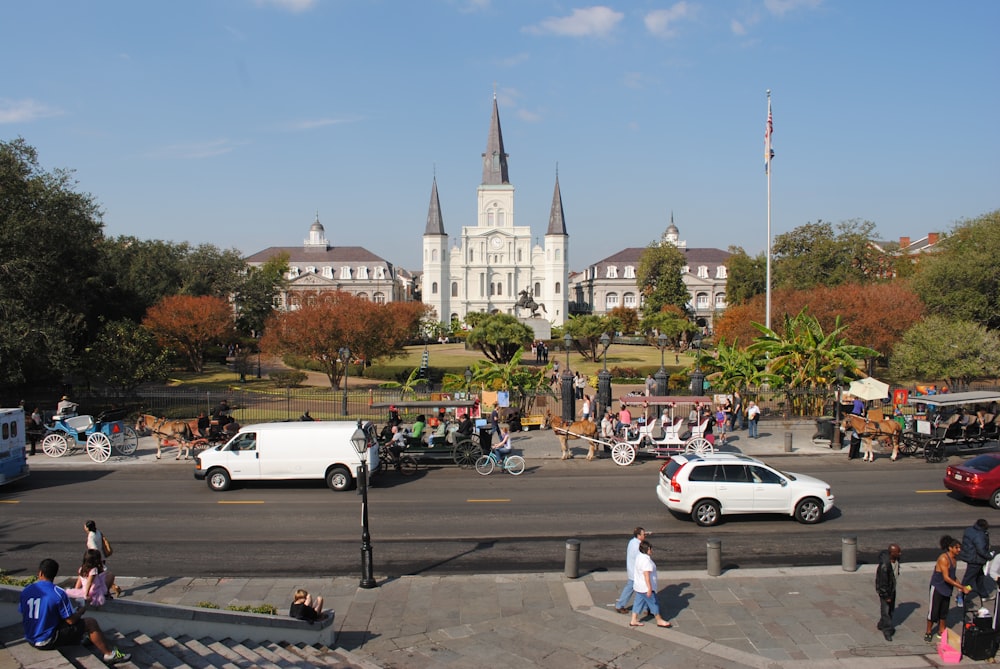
875	429
169	433
586	429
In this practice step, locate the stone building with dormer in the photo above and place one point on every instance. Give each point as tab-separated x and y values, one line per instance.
612	282
318	266
490	263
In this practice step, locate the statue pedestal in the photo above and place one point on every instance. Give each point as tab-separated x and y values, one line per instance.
541	327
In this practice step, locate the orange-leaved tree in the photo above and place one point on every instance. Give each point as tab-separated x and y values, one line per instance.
189	324
876	315
326	322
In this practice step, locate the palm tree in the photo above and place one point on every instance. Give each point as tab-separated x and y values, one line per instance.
803	357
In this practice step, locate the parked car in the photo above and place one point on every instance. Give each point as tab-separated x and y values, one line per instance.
977	478
714	485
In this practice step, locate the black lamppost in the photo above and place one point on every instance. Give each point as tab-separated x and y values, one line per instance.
604	380
661	374
345	356
835	441
568	405
697	376
361	444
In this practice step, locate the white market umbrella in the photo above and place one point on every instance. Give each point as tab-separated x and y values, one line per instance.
869	389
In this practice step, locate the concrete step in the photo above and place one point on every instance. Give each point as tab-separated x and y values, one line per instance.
166	652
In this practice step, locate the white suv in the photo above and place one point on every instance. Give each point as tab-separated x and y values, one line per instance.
716	484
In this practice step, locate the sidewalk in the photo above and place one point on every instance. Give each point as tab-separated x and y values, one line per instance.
541	444
768	618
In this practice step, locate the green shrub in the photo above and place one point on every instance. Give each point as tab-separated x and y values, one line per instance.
6	579
207	605
288	379
265	609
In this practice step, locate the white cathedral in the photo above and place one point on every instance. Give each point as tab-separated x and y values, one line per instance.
494	262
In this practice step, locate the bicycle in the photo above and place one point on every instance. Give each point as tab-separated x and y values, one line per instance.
512	464
407	464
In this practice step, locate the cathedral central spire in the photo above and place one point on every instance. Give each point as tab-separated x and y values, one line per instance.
495	160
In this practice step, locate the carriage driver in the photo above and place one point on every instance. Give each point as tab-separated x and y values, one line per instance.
65	408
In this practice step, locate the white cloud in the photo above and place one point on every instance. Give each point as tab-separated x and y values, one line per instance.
309	124
737	27
591	21
782	7
293	6
25	111
528	116
514	60
196	150
660	22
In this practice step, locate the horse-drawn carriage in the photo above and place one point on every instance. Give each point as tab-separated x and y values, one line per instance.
660	434
440	443
963	421
96	435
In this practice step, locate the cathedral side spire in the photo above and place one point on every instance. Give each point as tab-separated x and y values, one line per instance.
557	218
495	160
435	222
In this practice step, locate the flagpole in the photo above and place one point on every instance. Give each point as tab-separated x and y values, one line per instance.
767	168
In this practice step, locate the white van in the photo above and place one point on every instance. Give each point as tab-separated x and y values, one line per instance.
281	451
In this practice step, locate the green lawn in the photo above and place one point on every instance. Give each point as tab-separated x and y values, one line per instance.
217	377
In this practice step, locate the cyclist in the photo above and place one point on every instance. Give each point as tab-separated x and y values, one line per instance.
502	447
397	444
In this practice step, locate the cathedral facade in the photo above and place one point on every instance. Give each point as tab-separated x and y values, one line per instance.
493	263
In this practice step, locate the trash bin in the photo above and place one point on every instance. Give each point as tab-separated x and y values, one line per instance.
485	439
824	429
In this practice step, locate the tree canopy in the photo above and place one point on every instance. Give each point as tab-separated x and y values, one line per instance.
747	277
48	235
326	322
499	336
960	279
873	315
189	325
940	348
660	279
820	254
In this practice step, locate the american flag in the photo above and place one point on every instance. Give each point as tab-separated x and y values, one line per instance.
768	151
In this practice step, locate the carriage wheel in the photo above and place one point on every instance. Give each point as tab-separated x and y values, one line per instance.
466	453
54	445
99	447
908	443
699	446
623	454
127	441
934	451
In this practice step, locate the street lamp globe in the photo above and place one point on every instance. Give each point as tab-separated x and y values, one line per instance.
359	441
605	342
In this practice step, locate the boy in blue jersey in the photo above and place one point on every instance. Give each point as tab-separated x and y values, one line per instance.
50	620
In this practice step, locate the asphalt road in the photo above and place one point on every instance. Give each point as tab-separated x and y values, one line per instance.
163	522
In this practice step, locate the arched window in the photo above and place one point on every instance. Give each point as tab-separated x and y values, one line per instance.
363	296
720	300
611	301
454	289
558	285
499	288
628	300
378	298
434	288
701	301
538	289
434	255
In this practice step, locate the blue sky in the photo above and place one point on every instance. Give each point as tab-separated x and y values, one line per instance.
233	122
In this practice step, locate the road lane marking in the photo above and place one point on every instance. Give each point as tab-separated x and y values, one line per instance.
252	501
922	491
10	501
486	501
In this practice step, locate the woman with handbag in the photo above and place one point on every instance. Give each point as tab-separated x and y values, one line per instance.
98	542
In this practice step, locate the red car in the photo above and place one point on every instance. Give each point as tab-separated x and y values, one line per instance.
978	478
